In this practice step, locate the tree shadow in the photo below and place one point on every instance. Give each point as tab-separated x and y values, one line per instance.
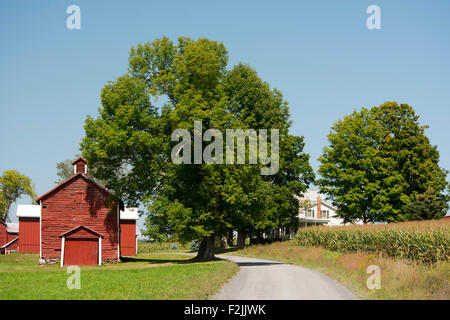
163	261
258	264
221	251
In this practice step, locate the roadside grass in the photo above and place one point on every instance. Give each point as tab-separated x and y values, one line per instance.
146	276
400	278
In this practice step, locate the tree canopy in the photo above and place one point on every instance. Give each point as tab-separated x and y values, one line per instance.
129	145
13	185
378	161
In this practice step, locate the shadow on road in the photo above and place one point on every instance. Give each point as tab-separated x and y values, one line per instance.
255	264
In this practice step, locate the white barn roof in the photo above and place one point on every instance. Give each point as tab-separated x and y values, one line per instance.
129	214
28	211
12	227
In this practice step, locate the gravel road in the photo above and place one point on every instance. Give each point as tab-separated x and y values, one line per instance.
261	279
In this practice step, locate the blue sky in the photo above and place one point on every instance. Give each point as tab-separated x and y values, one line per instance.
320	54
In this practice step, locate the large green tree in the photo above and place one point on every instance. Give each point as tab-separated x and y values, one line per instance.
129	145
13	185
378	160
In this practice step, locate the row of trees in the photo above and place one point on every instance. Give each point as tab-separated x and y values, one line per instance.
379	165
129	145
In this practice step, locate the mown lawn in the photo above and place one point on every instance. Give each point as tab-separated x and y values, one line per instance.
146	276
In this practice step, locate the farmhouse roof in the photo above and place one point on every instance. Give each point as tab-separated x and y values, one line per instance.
312	195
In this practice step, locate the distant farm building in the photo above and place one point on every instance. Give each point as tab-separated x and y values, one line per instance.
9	236
78	223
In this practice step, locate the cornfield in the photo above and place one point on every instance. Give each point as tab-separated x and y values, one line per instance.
424	242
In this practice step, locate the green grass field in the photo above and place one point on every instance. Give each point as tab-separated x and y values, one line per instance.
146	276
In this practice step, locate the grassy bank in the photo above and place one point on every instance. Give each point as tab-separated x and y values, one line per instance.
400	278
421	241
146	276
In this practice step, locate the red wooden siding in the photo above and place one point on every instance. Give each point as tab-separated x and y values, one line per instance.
29	234
3	234
13	245
78	202
79	251
12	235
127	237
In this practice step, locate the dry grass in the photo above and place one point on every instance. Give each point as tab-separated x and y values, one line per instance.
400	278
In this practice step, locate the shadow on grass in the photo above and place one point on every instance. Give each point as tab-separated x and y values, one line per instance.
162	261
154	261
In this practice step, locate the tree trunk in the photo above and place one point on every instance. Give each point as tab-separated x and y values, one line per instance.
241	239
223	244
206	250
230	238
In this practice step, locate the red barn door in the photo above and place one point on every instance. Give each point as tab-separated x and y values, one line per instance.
81	251
81	246
29	237
127	238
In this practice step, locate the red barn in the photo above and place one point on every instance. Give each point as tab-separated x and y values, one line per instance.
3	233
13	230
29	227
8	237
78	223
128	239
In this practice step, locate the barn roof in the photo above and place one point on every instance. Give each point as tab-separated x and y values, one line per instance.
13	227
28	211
129	214
9	243
73	230
80	159
82	175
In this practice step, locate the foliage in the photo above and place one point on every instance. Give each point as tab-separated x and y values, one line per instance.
64	169
426	242
426	206
129	145
13	185
378	161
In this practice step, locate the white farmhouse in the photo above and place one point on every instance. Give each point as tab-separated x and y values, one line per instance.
319	211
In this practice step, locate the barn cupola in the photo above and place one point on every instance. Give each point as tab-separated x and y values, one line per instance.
80	166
